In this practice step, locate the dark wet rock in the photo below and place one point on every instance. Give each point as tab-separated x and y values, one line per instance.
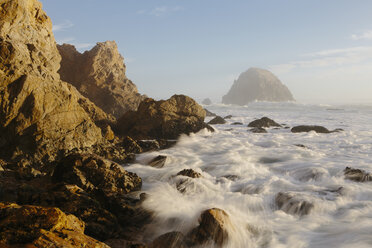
305	128
286	127
237	123
258	130
165	119
35	226
264	122
207	101
169	240
228	117
158	161
293	204
228	129
357	175
189	173
209	113
121	243
309	173
165	144
131	146
257	85
337	130
301	145
92	172
149	145
214	225
217	120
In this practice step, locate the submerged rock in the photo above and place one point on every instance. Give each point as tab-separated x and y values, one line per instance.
165	119
189	173
258	130
207	101
34	226
158	161
292	204
264	122
257	85
99	75
305	128
357	175
217	120
214	225
169	240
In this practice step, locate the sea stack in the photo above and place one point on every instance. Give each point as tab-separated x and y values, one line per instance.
257	85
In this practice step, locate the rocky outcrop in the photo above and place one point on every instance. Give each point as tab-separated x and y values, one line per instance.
158	161
170	240
214	225
217	120
263	122
309	128
189	173
99	74
258	130
165	119
293	204
39	114
257	85
33	226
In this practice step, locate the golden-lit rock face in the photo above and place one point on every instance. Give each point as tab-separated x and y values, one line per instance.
99	74
39	113
34	226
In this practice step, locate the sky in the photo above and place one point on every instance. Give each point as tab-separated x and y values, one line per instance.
320	49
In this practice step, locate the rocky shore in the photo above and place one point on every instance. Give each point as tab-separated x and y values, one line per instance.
67	123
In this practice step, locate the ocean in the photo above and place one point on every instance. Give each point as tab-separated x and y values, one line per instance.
243	172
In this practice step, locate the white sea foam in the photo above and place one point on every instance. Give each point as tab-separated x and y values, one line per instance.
266	164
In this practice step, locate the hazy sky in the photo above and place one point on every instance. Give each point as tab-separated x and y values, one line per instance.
321	49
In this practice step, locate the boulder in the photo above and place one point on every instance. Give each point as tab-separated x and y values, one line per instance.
189	173
91	172
306	128
165	119
257	85
293	204
217	120
263	122
99	75
33	226
357	175
207	101
158	161
214	225
169	240
39	114
237	123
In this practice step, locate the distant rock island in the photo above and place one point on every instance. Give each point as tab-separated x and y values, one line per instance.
257	85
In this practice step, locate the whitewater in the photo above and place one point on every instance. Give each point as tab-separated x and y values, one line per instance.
242	172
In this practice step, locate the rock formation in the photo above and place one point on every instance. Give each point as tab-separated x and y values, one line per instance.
165	119
39	114
99	74
257	85
263	122
217	120
207	101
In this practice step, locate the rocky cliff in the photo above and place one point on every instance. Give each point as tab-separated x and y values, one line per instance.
99	74
39	113
257	85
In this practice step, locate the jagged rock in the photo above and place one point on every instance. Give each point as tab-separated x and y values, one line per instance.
131	145
258	130
228	117
165	119
33	226
357	175
264	122
39	114
207	101
293	204
169	240
214	225
237	123
209	113
257	85
189	173
158	161
92	172
99	74
217	120
305	128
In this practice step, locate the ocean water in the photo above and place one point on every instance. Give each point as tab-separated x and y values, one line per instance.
263	165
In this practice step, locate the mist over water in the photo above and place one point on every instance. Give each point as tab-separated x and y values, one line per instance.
242	172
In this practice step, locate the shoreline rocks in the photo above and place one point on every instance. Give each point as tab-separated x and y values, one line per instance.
263	122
